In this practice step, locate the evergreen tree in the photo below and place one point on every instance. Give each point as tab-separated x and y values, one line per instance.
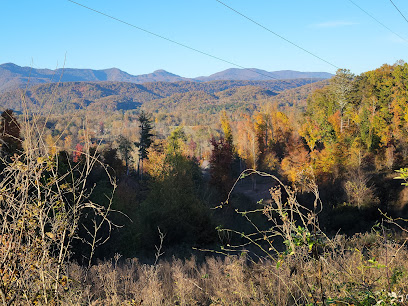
145	139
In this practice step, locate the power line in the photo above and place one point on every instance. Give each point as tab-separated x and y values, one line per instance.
173	41
399	11
276	34
367	13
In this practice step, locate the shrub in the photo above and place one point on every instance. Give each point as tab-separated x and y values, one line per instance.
42	203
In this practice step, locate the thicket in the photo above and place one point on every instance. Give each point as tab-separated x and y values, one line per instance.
44	198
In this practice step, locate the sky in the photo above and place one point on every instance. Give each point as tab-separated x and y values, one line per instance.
49	33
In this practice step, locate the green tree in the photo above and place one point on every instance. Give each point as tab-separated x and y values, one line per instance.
145	141
175	142
174	203
320	107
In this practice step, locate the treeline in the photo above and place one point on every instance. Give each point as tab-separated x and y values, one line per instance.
355	122
111	96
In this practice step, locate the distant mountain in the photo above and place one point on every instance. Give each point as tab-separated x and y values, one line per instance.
13	76
262	75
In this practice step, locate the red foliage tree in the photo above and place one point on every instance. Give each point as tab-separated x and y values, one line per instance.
78	152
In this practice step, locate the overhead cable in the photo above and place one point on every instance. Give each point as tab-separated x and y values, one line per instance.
174	41
276	34
399	11
379	22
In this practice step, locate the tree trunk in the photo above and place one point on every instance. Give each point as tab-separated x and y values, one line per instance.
253	178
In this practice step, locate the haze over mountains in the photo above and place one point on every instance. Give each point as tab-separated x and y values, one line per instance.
253	74
13	76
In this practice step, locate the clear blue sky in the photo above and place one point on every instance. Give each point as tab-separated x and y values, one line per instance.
40	33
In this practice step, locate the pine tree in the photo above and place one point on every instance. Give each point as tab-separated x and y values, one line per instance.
145	139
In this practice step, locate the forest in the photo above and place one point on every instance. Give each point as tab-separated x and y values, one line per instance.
214	193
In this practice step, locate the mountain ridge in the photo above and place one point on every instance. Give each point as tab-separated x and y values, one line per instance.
253	74
13	76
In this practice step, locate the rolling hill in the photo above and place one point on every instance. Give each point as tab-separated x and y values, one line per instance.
110	96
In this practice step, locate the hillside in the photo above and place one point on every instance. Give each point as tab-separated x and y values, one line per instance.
110	96
233	99
74	95
298	96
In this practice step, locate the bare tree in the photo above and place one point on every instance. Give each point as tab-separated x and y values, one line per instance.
358	189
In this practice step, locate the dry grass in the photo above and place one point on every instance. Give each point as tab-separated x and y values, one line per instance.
362	270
